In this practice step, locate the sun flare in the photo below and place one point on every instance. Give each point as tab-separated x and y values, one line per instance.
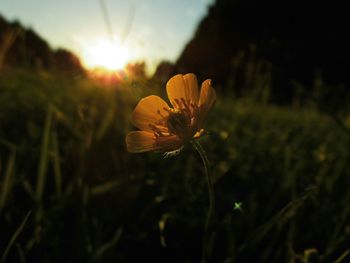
106	54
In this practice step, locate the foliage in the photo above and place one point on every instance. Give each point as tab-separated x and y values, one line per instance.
281	177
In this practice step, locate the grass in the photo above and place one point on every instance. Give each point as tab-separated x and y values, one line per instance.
63	157
14	237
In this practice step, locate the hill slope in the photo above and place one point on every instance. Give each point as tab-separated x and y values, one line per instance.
298	38
24	48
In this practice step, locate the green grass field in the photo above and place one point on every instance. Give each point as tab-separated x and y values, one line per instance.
281	179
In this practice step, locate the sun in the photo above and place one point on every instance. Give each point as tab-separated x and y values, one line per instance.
106	54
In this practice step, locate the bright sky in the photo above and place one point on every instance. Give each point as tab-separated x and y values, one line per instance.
150	30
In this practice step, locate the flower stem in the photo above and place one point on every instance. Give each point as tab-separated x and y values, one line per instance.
207	235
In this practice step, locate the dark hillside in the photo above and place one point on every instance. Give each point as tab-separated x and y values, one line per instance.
24	48
299	38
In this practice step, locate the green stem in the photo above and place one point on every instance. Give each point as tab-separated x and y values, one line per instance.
207	236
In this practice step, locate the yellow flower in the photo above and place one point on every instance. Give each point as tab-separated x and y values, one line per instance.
166	129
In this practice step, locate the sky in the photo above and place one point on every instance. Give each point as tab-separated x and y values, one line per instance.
149	30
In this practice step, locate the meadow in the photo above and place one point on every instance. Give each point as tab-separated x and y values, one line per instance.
70	192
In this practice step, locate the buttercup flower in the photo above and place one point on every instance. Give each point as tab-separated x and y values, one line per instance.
166	129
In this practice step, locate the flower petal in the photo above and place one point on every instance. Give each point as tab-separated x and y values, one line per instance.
206	100
168	143
150	110
208	94
140	141
182	87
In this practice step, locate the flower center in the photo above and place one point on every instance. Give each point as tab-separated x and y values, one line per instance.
179	123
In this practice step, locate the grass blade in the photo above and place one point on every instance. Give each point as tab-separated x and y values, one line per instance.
14	237
102	250
342	256
56	164
43	162
105	187
21	254
6	186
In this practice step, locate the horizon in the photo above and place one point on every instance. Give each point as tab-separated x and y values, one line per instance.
128	30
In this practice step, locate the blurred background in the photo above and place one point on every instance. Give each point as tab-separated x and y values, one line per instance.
71	73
